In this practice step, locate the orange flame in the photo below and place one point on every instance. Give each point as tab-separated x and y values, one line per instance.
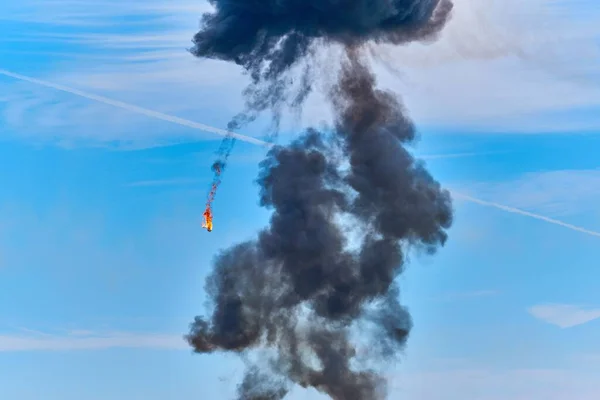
208	220
208	215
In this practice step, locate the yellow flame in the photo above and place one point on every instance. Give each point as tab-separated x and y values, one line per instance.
208	215
208	220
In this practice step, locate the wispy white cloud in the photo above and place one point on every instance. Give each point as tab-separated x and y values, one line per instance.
30	340
564	315
16	113
115	41
95	14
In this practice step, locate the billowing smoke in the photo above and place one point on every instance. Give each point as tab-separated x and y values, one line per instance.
302	289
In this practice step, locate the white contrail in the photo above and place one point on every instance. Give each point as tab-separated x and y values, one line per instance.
457	155
136	109
524	213
222	132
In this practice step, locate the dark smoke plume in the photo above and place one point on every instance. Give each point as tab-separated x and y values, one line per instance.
301	289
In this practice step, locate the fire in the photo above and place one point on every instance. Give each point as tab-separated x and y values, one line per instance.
208	219
208	216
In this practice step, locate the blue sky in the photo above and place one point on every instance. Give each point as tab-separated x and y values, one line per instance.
102	257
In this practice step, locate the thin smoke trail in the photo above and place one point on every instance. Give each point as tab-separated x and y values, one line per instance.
222	132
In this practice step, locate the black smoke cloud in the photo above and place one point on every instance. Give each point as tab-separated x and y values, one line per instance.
269	37
277	33
299	288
